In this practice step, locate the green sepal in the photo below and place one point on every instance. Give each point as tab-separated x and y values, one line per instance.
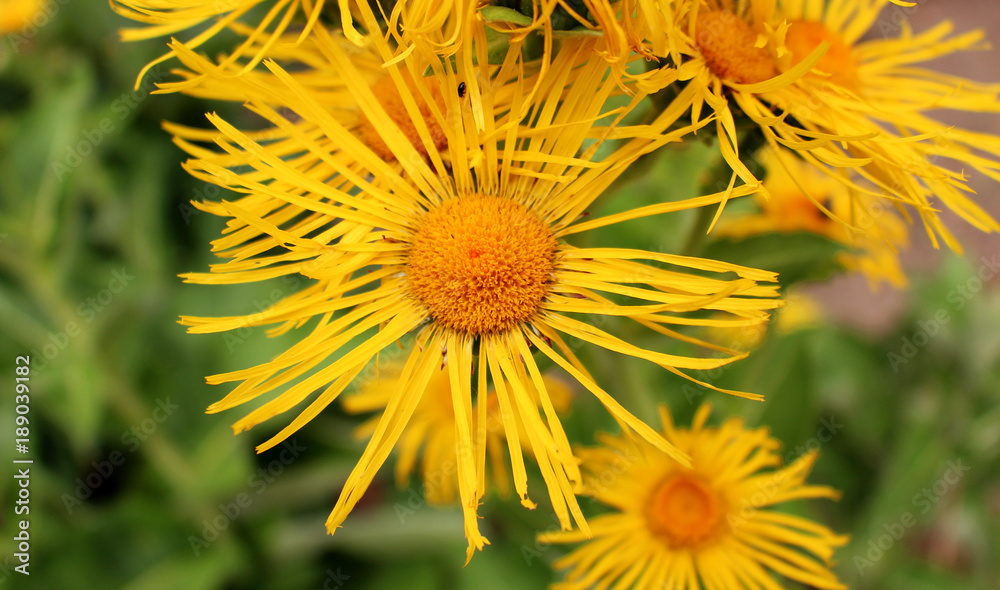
501	14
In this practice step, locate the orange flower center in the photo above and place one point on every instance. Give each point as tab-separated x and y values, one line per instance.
391	99
481	264
804	37
727	43
796	212
684	511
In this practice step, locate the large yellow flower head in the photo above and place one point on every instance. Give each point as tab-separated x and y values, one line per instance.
710	525
803	199
459	244
855	109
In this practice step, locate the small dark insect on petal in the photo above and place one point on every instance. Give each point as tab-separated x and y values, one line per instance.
461	89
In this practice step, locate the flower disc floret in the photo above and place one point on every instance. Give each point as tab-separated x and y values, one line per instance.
727	43
684	511
481	264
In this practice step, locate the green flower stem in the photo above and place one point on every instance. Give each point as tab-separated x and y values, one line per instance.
751	140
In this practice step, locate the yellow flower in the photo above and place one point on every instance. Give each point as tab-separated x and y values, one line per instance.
431	430
854	109
272	19
707	526
803	199
799	313
460	245
16	15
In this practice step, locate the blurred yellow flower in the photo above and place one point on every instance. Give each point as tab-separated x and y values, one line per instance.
461	244
709	525
16	15
854	109
804	199
800	312
430	433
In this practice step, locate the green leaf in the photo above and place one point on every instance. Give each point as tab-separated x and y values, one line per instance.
500	14
795	257
784	376
497	45
190	572
501	568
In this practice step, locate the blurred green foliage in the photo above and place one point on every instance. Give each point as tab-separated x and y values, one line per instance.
133	486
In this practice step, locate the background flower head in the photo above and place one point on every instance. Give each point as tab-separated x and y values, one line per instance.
709	525
802	74
803	199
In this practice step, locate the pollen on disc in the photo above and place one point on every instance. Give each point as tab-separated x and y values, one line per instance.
481	264
726	41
